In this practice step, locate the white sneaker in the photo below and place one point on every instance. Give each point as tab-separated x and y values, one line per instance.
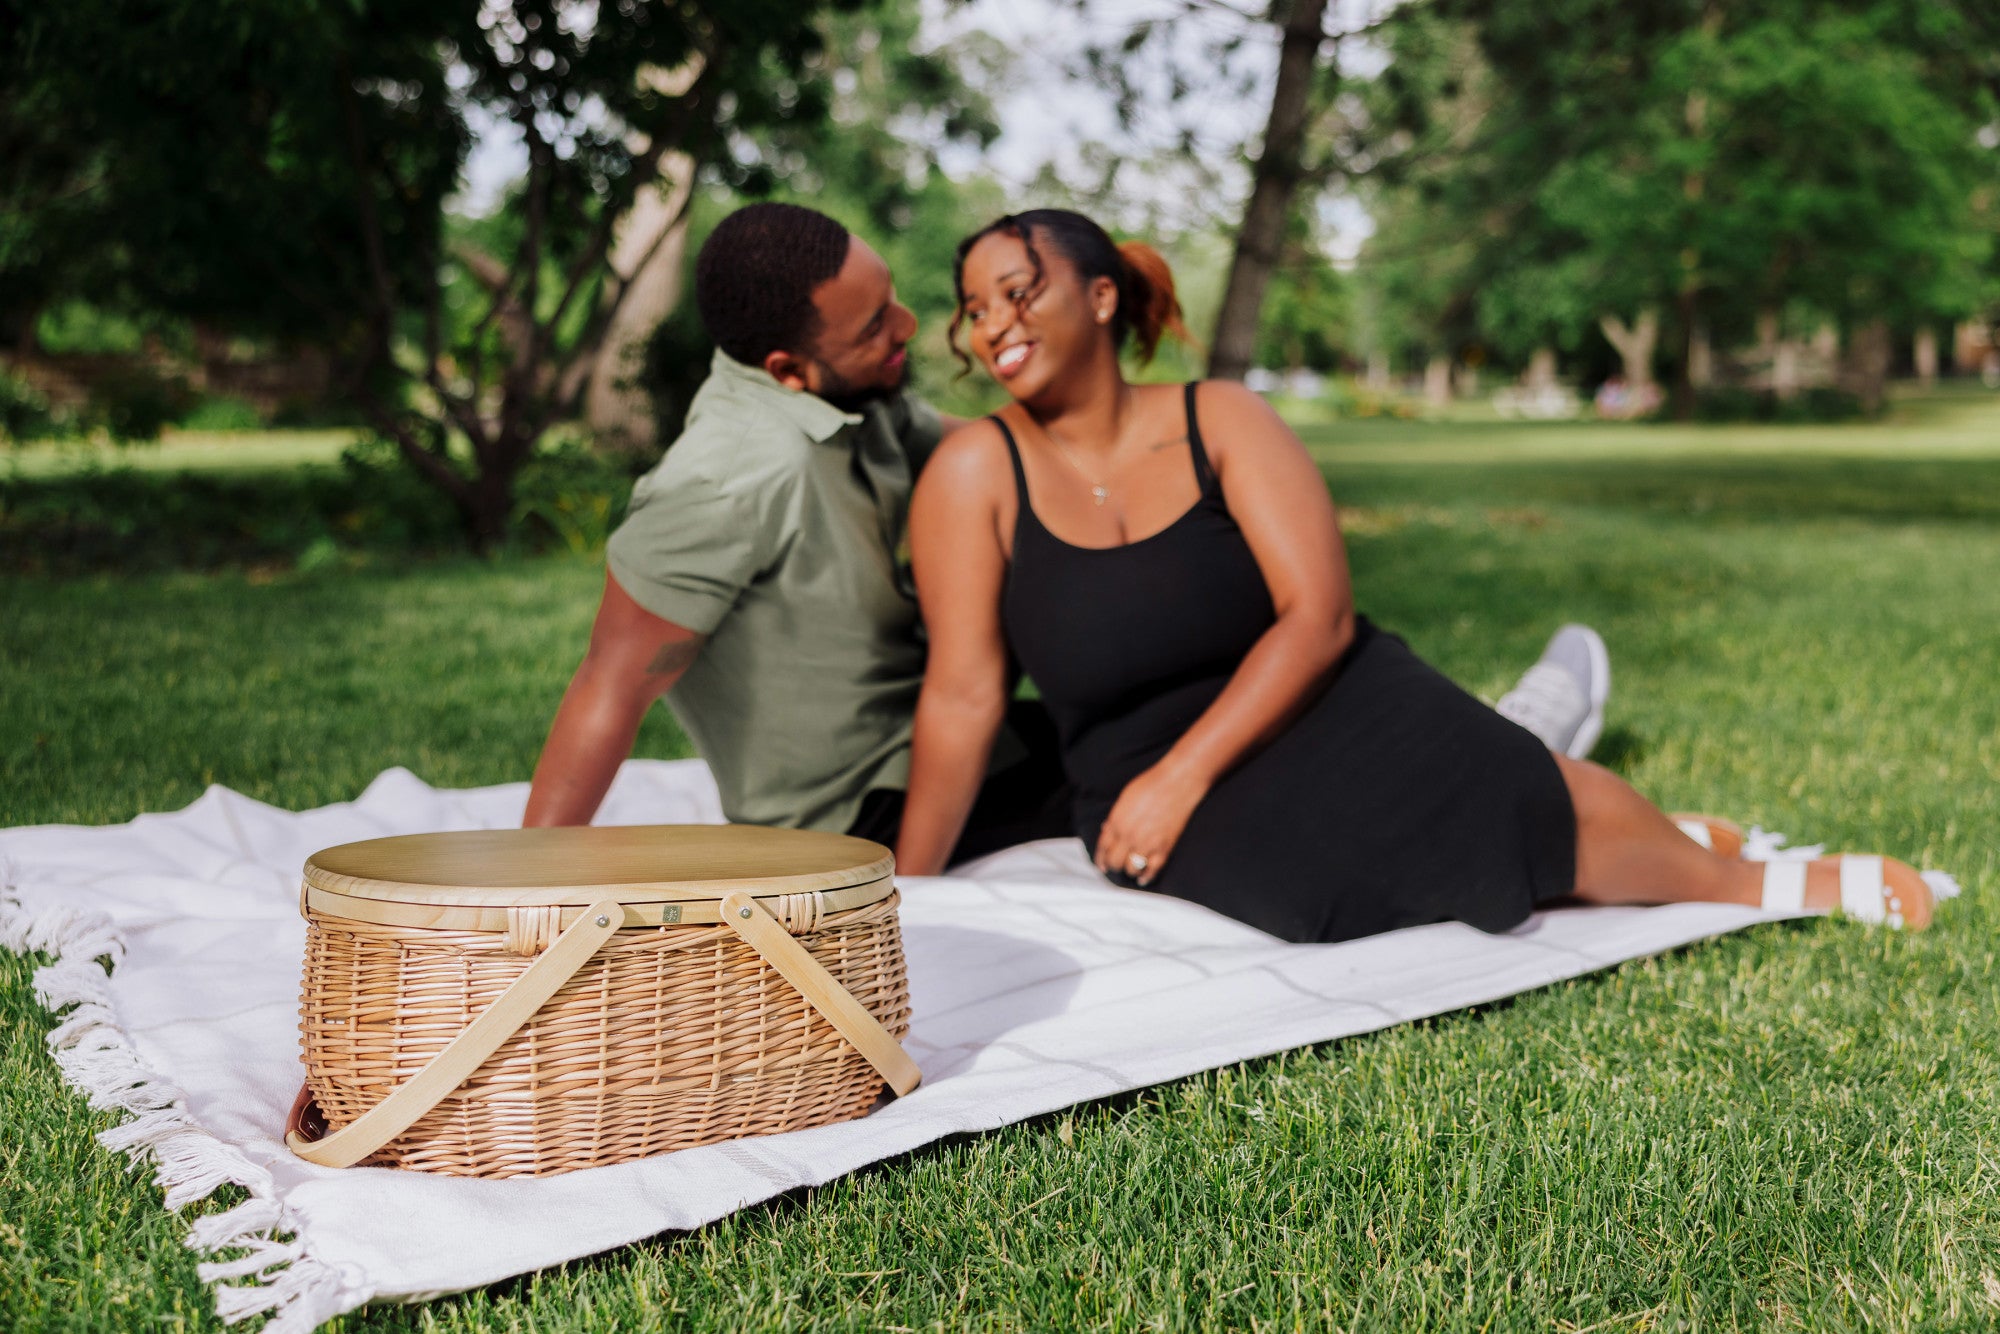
1561	698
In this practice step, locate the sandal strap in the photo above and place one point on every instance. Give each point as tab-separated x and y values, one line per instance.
1861	894
1785	887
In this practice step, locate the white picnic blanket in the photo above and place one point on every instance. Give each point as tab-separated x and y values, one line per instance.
1035	986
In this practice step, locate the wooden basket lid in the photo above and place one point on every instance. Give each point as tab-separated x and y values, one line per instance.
518	867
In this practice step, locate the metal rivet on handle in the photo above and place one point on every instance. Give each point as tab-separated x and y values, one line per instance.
603	920
743	913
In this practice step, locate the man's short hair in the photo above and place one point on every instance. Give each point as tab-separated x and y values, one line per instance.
754	278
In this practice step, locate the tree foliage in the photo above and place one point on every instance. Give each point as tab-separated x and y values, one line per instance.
283	167
1600	158
875	162
1168	65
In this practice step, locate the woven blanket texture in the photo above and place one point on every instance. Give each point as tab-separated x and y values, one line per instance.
1035	986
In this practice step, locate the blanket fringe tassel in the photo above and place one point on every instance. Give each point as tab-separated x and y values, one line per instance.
297	1291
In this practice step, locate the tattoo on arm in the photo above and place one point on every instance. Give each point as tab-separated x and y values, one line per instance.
674	658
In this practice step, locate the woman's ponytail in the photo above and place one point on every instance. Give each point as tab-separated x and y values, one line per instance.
1152	308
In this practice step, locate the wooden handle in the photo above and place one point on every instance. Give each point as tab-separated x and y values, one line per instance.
765	934
481	1038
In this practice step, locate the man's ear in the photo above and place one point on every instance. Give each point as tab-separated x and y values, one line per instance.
789	370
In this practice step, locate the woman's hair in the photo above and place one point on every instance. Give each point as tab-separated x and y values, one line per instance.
1147	306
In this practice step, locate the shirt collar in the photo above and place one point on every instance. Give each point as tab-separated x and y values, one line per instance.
809	412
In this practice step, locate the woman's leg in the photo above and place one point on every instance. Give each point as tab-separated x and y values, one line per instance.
1628	851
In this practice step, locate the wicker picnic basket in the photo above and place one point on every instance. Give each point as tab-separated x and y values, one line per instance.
529	1001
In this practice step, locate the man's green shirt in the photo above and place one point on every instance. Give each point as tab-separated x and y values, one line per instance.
773	526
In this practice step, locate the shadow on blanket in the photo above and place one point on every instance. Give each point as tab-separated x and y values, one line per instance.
964	1007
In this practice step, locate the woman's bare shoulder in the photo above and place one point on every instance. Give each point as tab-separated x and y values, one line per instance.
1233	403
969	463
1236	423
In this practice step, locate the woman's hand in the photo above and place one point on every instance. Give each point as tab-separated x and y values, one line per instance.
1147	820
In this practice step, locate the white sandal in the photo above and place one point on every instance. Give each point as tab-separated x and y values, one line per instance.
1722	837
1865	893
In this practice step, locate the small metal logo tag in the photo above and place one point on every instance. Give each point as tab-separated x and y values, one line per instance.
671	913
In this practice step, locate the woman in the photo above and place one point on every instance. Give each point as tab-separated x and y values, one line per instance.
1166	565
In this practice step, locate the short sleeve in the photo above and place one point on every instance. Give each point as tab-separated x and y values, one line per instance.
690	543
918	429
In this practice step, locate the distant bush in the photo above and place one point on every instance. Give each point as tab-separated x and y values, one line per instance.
223	413
379	503
24	413
371	506
1732	403
676	362
137	402
571	497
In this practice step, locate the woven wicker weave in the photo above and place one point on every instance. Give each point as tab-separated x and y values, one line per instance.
666	1038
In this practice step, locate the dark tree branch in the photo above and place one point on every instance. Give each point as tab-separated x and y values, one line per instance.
384	312
1275	181
645	170
601	319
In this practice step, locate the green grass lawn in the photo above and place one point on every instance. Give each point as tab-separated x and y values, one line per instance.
182	451
1794	1127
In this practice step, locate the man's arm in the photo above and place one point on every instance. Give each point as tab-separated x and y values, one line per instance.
634	657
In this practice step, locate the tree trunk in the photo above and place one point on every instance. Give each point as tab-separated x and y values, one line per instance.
1785	375
1274	184
652	241
1635	343
1437	381
1694	185
1378	371
1865	369
1767	334
1688	309
1701	357
489	510
1541	372
21	330
1925	354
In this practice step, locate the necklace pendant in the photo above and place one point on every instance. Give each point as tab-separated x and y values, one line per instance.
1100	493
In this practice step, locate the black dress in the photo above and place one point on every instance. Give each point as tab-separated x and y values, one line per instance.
1394	799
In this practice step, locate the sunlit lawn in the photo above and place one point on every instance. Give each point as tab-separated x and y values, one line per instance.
181	451
1794	1127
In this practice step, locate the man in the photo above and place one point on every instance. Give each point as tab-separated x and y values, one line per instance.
756	576
755	581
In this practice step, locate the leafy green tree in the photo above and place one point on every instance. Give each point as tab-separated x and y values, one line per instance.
1306	320
1309	138
282	167
875	162
1716	161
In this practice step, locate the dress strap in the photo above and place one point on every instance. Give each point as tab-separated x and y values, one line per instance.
1204	474
1014	456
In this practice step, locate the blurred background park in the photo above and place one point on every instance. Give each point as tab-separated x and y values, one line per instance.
333	334
421	266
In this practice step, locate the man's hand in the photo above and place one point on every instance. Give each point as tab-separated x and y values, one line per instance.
633	659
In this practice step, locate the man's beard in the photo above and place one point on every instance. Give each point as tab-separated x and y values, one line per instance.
849	397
